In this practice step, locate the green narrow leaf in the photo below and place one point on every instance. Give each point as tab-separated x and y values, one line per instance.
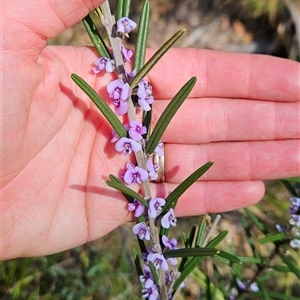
255	220
191	252
192	236
119	9
251	260
263	291
142	245
147	116
116	179
173	197
156	57
168	114
137	262
232	258
96	37
126	8
191	264
142	36
291	264
217	240
126	190
153	271
100	103
201	233
271	238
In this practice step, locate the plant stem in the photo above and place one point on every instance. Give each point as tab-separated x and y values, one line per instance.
109	22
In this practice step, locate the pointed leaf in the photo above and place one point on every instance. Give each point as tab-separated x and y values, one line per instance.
142	36
291	264
295	179
254	219
101	104
191	252
272	237
153	271
191	264
137	262
168	114
232	258
201	233
126	190
156	57
96	37
173	197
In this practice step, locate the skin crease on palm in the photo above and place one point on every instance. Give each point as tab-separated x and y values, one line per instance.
243	114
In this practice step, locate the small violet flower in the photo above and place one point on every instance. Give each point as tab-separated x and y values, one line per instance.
158	260
103	63
295	205
171	244
155	206
159	150
127	145
151	293
126	53
152	169
142	231
119	92
169	219
144	93
136	130
147	278
295	221
125	25
134	174
137	207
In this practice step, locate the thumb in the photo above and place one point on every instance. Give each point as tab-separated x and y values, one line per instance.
32	22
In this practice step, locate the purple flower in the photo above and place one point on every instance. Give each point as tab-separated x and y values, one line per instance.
295	221
126	53
119	92
155	206
295	205
127	145
151	293
171	244
125	25
147	278
152	169
131	74
103	63
158	260
159	150
142	231
136	130
144	93
135	174
295	243
169	219
137	207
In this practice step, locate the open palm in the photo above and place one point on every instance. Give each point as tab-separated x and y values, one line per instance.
56	151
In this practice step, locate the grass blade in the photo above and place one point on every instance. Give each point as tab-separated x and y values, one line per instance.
119	9
168	114
126	8
101	104
156	57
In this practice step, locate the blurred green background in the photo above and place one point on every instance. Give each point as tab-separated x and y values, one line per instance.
104	269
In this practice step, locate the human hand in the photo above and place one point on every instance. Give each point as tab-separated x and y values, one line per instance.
243	114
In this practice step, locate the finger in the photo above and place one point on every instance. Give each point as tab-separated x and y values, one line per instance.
234	161
213	196
212	119
230	75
